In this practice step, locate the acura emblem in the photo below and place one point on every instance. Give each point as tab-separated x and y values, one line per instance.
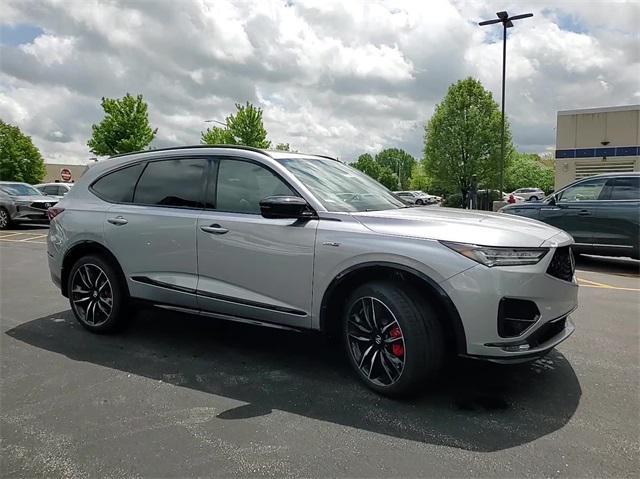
46	205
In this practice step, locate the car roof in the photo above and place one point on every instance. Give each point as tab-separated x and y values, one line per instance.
613	174
275	154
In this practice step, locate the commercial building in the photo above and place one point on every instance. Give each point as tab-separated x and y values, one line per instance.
63	173
597	140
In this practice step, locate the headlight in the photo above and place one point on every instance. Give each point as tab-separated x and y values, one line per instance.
493	256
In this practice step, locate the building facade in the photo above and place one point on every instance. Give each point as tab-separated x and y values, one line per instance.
596	140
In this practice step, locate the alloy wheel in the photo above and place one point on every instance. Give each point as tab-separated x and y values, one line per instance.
91	295
376	341
4	218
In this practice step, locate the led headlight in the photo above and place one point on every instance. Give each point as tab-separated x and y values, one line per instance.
497	256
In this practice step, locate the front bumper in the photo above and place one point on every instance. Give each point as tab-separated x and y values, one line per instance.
29	213
477	293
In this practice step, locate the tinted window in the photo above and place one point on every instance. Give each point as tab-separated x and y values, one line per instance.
172	183
626	189
241	185
118	186
585	191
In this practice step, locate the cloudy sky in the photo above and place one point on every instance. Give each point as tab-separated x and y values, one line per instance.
334	77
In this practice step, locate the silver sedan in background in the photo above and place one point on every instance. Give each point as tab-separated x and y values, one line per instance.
21	202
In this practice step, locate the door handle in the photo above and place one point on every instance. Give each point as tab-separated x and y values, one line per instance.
215	228
118	221
584	213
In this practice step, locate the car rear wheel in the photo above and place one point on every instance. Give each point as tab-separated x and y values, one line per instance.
419	202
533	198
5	219
393	338
97	294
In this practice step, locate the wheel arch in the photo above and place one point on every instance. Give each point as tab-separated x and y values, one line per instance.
339	288
85	248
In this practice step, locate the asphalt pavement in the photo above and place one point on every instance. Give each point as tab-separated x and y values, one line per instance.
179	396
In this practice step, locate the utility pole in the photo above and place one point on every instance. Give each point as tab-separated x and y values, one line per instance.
507	22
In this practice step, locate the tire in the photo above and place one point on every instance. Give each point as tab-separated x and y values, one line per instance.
86	286
533	198
419	202
5	219
419	356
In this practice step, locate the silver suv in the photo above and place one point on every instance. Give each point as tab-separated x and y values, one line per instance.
297	241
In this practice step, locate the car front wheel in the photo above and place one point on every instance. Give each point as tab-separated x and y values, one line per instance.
393	338
419	202
97	294
5	220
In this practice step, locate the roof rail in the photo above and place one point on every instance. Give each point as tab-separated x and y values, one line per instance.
189	147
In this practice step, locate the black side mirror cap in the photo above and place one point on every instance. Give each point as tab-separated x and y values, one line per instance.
292	207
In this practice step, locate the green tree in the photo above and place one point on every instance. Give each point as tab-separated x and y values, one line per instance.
20	160
283	147
217	136
528	170
124	128
462	138
243	128
388	178
419	179
399	162
368	165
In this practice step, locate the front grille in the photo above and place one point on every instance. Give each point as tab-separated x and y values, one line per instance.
562	265
42	205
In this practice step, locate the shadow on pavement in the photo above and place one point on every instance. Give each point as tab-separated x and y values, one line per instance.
475	406
610	265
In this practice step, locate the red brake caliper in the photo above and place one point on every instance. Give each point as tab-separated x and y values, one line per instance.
396	348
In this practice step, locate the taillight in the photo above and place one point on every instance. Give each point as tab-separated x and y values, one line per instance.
53	212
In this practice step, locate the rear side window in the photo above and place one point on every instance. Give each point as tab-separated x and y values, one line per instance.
176	182
118	186
626	189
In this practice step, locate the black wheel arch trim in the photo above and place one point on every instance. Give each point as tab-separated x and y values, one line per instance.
444	299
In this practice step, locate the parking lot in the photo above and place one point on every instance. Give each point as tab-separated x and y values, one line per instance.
177	396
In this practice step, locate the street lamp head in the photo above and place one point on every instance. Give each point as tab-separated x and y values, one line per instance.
505	19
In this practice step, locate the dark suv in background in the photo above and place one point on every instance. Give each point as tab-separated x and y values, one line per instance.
601	212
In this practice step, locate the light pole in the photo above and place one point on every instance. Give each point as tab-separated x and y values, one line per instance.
507	22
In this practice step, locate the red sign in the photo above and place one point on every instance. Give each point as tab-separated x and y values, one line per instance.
65	174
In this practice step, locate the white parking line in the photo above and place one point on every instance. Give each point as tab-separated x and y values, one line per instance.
10	234
34	237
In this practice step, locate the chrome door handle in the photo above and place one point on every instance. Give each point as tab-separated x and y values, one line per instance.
216	229
118	221
584	213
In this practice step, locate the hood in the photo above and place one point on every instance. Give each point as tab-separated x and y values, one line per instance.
463	226
38	198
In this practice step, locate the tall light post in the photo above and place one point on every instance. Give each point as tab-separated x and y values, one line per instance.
507	22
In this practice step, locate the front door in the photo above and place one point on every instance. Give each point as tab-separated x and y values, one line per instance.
153	232
249	266
574	210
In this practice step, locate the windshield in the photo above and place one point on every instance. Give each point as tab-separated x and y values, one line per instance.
340	187
19	189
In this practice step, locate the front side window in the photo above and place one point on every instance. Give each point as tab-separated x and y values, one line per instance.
241	185
340	187
585	191
176	182
626	188
117	187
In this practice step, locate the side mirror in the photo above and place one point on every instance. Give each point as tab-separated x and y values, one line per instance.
292	207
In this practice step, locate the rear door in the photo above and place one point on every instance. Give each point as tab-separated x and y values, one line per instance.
618	215
575	209
249	266
152	229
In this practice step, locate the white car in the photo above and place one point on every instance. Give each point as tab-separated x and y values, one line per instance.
57	190
529	194
505	196
417	197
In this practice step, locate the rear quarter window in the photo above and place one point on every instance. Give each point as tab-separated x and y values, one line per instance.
118	186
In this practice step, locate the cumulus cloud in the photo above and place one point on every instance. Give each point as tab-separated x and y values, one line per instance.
333	77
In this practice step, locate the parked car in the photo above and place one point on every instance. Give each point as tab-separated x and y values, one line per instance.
22	203
56	190
601	212
507	197
296	241
417	197
529	194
